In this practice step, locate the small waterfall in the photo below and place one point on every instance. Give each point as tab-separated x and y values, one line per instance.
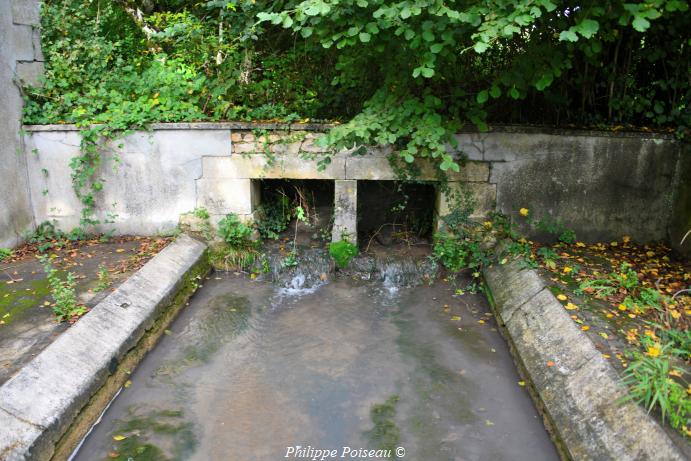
313	269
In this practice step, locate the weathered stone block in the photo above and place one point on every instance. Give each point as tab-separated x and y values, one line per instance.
227	195
258	166
345	211
484	194
375	167
26	12
30	73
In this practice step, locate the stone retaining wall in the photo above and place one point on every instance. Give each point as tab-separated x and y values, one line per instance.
602	185
21	61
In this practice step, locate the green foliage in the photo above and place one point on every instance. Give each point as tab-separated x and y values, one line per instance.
233	231
63	292
46	236
342	252
201	213
5	253
637	298
104	280
274	215
652	383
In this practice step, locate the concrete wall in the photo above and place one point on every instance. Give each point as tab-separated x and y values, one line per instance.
601	185
20	60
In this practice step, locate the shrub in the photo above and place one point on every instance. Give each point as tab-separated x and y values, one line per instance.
233	231
342	252
63	292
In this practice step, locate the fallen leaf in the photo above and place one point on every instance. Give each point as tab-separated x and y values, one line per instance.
456	318
562	297
118	438
550	364
521	383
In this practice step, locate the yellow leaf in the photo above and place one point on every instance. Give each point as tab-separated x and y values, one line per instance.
128	383
562	297
118	438
567	270
580	244
456	318
481	321
585	328
523	211
604	335
521	383
120	250
571	306
626	239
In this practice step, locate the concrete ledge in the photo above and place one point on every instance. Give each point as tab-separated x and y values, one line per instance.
578	396
40	403
522	129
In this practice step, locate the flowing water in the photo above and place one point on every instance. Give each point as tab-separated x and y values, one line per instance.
252	369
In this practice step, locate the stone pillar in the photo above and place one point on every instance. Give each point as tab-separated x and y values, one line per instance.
345	211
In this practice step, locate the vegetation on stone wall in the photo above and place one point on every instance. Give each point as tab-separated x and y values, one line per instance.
403	73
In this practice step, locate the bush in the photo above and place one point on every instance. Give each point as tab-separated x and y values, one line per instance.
233	231
342	252
5	253
63	292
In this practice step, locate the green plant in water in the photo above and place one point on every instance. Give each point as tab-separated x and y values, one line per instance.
342	252
274	216
63	292
385	435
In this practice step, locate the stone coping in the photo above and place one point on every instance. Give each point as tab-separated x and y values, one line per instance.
577	391
519	129
39	404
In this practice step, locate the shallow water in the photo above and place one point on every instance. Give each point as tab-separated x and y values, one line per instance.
249	370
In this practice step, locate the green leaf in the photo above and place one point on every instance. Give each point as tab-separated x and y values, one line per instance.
482	97
405	13
362	3
545	81
480	47
306	32
428	36
588	27
365	37
409	34
495	92
287	22
641	24
427	72
568	36
436	48
514	93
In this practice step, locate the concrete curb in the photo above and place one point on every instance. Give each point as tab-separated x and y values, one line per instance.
577	396
42	401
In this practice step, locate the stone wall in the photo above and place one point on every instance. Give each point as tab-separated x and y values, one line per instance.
20	61
602	185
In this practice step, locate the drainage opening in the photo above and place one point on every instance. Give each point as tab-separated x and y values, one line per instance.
395	214
289	204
